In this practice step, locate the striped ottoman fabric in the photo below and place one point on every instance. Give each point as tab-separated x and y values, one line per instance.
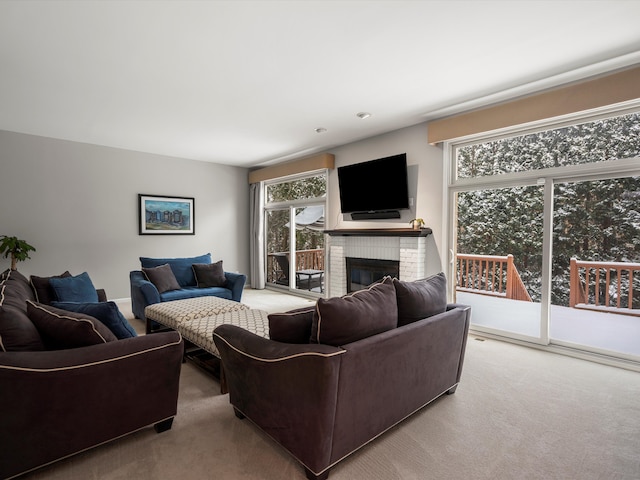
173	314
199	331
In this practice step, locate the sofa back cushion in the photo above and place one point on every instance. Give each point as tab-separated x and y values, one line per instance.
107	312
77	288
209	274
61	329
162	277
293	326
181	267
421	298
42	287
17	332
341	320
17	290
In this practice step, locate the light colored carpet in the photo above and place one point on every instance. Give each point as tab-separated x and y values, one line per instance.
519	413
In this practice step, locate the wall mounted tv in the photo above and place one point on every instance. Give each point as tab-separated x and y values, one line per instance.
376	189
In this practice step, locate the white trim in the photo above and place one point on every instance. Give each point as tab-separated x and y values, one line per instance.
90	364
280	359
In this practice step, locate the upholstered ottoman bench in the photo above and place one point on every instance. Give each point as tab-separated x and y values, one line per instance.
197	318
176	312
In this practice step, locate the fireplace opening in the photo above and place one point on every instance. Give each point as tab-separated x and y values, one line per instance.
362	272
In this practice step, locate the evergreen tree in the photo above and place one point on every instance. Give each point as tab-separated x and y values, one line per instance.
594	220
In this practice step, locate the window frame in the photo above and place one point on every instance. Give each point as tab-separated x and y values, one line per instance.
547	177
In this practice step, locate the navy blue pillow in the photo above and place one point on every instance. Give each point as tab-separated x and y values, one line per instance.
74	289
107	312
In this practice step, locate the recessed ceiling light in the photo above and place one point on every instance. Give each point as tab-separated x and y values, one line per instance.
321	130
363	115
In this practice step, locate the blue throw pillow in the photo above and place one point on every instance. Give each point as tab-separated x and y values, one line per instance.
74	289
181	267
107	312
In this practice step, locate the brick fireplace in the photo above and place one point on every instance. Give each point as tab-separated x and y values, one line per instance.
406	246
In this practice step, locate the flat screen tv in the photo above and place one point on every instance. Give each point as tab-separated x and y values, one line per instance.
374	189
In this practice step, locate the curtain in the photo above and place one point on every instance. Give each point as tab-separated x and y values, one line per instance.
256	242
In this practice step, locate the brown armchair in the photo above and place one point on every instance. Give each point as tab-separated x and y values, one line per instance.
61	402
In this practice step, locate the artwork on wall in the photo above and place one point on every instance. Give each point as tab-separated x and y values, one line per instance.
163	215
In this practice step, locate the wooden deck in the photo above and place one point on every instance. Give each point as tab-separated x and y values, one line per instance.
600	332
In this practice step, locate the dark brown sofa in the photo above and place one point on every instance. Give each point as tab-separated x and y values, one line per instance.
322	402
55	403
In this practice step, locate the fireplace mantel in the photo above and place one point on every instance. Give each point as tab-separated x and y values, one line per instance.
379	232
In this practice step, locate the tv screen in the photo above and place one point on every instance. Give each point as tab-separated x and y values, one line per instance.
374	186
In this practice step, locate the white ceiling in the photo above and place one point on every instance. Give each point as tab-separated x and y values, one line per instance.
247	82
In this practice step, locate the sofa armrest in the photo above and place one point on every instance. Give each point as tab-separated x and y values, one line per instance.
65	401
235	283
143	293
288	390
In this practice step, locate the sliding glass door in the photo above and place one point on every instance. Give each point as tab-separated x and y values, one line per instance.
545	239
499	258
595	293
294	240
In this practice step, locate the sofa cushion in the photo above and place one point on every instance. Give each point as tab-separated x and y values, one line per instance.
16	290
341	320
162	277
181	267
44	292
193	292
293	326
17	332
61	329
77	288
421	298
107	312
209	274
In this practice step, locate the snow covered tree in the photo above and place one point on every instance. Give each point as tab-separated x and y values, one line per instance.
593	220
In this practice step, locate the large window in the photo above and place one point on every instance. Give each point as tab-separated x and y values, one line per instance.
546	233
294	240
590	142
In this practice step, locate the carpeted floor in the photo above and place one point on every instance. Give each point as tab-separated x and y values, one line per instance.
519	413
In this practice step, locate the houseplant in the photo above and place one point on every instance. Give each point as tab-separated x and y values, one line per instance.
18	249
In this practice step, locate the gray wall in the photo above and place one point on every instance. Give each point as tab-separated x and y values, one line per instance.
426	183
77	205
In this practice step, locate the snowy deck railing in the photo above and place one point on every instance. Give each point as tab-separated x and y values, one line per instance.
494	275
605	286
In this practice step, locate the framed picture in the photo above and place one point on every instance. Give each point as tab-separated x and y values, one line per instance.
162	215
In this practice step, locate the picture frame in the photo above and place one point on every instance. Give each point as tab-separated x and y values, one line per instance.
165	215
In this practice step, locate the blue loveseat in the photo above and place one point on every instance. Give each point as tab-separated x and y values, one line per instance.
144	292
